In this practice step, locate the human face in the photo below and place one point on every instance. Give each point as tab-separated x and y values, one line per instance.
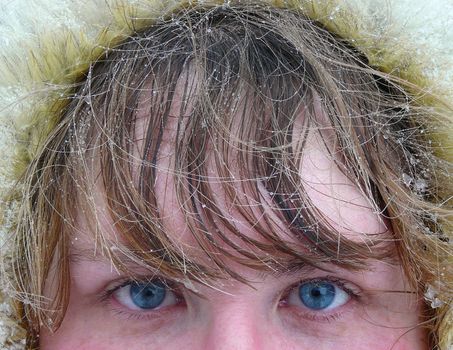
339	309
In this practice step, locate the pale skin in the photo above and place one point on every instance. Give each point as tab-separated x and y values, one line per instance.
229	315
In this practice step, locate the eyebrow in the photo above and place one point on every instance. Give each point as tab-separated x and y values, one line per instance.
80	255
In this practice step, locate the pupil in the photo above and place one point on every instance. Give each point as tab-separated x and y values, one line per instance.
147	295
317	295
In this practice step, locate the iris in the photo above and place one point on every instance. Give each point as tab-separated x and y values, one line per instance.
147	295
317	295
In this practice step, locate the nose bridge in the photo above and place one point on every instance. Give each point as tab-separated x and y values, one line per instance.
236	326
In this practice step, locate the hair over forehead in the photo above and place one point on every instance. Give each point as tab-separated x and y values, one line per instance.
240	85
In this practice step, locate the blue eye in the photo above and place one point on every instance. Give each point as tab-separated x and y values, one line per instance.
319	295
145	295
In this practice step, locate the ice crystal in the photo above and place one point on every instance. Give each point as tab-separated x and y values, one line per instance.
431	295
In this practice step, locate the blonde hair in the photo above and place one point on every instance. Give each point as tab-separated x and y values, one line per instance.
276	63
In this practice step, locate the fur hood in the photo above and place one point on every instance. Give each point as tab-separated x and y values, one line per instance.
46	45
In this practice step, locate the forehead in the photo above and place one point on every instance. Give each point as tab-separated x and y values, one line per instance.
219	203
235	155
338	198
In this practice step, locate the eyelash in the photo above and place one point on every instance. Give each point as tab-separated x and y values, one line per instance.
107	298
302	313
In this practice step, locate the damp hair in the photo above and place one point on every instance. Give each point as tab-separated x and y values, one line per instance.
242	75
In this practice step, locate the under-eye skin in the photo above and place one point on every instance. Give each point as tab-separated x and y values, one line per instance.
320	299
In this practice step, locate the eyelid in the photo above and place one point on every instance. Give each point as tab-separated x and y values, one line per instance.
114	286
348	287
160	314
323	315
